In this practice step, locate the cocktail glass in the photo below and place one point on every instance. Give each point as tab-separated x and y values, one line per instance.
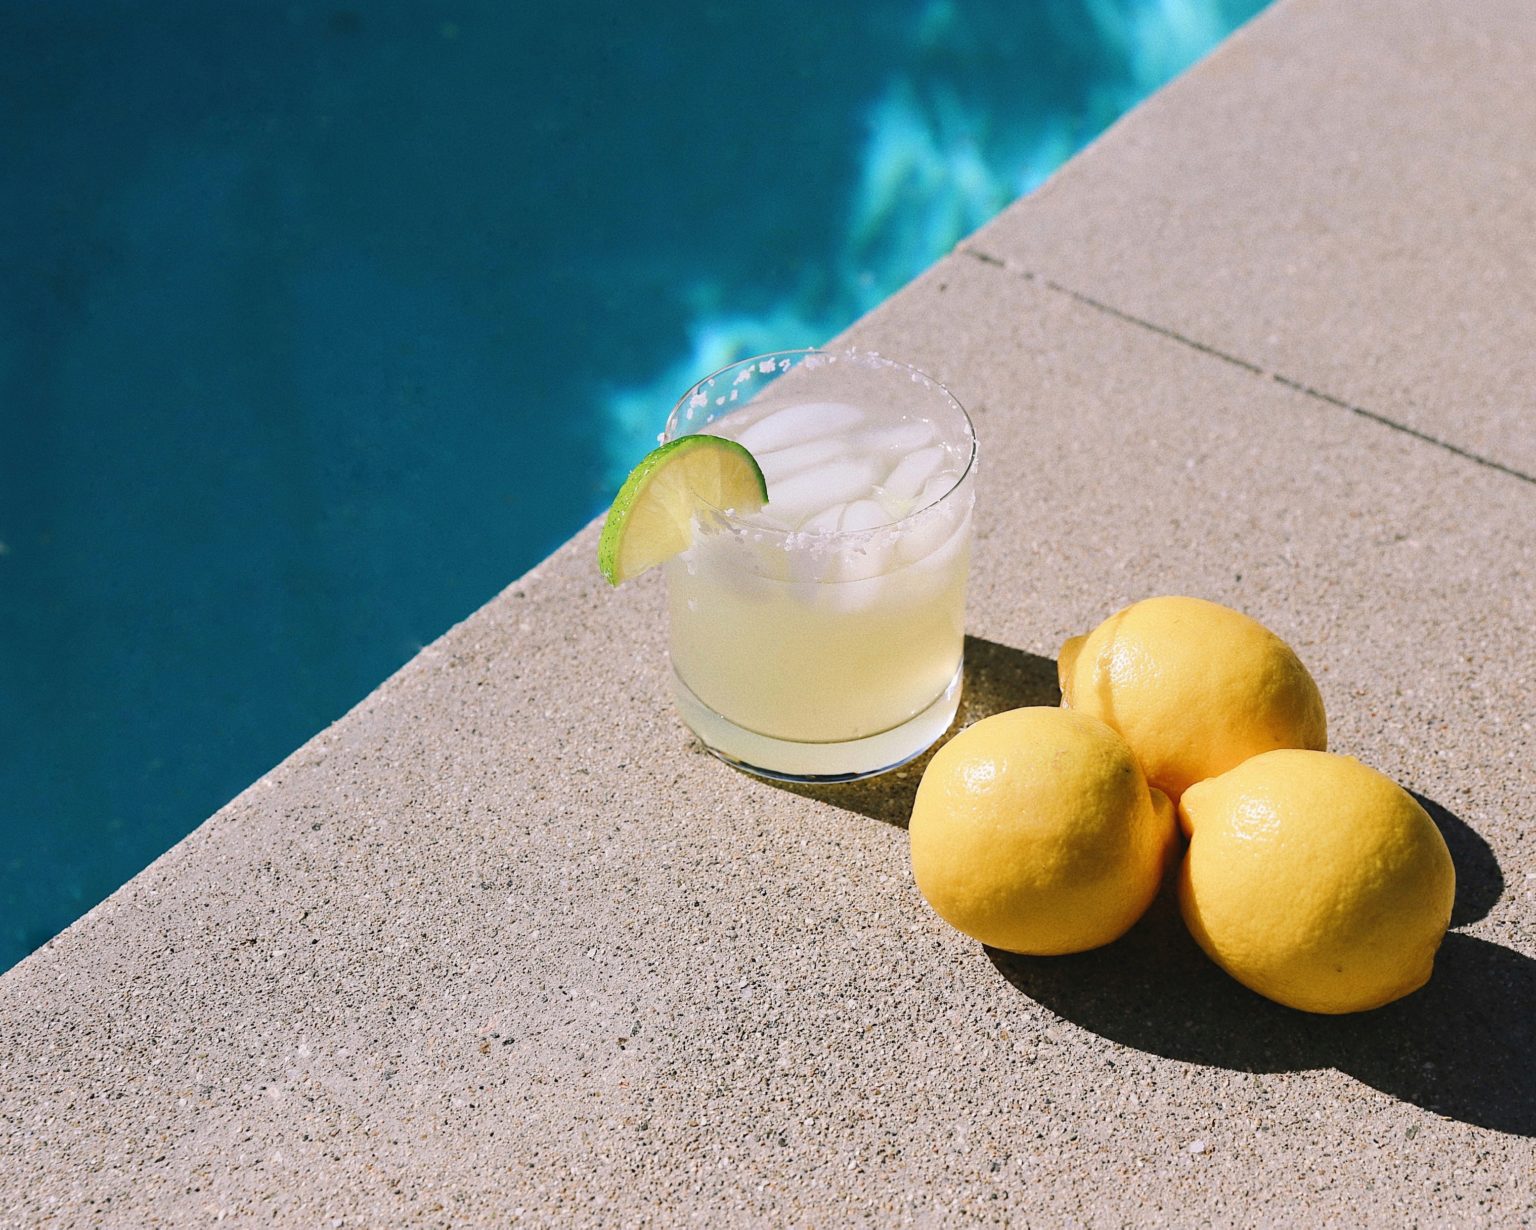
821	637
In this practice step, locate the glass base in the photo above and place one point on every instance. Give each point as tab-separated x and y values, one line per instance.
787	761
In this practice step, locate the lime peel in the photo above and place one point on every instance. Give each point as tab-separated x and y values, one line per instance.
652	517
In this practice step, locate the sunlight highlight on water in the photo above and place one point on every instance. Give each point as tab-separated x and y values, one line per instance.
936	166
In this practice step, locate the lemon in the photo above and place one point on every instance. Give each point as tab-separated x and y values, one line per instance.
1034	831
1195	687
1315	881
652	517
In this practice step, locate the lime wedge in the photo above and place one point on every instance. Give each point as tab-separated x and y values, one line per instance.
652	516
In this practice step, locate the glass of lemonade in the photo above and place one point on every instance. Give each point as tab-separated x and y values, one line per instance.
820	638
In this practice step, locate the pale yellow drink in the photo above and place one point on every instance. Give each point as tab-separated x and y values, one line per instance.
822	636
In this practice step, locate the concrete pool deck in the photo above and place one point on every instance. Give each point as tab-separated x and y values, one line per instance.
503	945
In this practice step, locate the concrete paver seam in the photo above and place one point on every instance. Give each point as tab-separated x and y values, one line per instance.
1306	390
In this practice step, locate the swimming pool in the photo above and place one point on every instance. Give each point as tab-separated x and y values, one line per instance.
324	321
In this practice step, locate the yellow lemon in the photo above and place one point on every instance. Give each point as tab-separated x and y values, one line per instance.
1195	688
1315	881
1034	831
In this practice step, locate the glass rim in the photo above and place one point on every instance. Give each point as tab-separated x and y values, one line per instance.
817	537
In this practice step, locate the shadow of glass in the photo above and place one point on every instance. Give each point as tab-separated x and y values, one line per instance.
997	678
1459	1047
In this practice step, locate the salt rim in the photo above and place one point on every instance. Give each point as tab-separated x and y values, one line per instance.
698	397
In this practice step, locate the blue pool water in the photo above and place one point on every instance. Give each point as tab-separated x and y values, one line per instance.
320	323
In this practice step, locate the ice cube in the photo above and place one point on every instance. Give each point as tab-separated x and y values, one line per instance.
936	488
899	440
798	424
913	471
863	515
811	491
827	521
933	534
853	597
783	463
861	580
872	558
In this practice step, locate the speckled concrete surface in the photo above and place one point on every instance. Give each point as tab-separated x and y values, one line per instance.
502	945
1343	196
